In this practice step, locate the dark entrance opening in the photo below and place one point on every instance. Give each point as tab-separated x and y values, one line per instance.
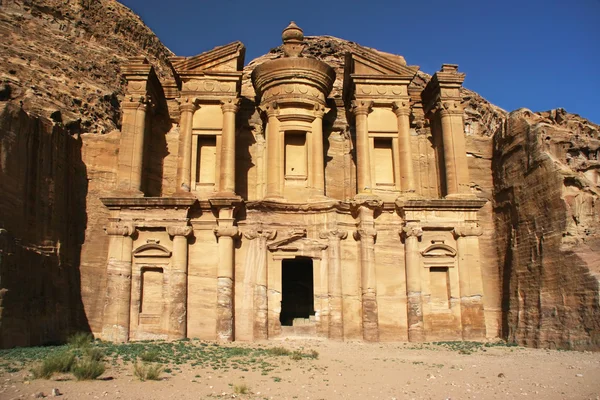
297	289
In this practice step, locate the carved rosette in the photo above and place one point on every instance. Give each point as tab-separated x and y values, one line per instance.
230	105
362	107
120	230
465	230
179	230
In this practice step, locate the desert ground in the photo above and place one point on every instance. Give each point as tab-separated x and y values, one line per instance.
311	369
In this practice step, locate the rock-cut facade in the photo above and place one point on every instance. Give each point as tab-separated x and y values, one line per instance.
298	200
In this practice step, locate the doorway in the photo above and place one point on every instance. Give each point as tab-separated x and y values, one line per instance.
297	297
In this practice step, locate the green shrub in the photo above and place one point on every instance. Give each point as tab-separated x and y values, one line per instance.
80	340
312	354
296	355
278	351
149	356
242	388
94	353
87	369
147	372
57	362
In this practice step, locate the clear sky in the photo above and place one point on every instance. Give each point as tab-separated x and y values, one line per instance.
539	54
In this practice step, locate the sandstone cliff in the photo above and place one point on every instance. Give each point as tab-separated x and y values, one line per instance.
60	73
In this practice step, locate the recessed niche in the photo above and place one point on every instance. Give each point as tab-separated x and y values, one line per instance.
295	156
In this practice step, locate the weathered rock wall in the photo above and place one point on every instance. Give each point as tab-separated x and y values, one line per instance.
42	220
547	220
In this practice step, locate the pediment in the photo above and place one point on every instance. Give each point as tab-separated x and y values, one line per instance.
151	250
227	58
362	61
286	239
439	250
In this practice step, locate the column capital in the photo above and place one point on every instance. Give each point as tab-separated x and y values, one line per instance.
366	233
179	230
362	107
230	105
467	229
365	200
401	108
411	230
136	102
227	231
333	234
449	107
188	104
270	109
321	110
120	230
267	234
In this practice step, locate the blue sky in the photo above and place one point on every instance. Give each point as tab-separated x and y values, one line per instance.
535	54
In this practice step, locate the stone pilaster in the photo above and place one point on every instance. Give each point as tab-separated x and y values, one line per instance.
187	107
177	290
407	174
412	234
361	110
227	173
116	316
261	310
334	279
455	153
274	156
131	146
226	233
318	166
471	283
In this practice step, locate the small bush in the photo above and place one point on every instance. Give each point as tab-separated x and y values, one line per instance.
80	340
147	372
149	356
87	369
296	355
58	362
278	351
313	354
94	353
242	388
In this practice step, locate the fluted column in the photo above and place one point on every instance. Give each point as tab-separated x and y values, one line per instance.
361	111
187	107
470	281
412	233
116	316
334	279
227	173
178	273
131	153
261	309
455	154
318	167
225	233
407	174
274	156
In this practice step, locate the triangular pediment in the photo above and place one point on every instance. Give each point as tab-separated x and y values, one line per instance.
362	61
227	58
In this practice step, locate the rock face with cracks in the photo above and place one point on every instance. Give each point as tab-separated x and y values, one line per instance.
60	128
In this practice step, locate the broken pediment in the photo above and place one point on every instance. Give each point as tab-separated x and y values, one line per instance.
222	59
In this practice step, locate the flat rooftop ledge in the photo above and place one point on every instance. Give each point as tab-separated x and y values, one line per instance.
148	202
442	204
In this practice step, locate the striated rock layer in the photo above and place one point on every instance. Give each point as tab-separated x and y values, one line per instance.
61	76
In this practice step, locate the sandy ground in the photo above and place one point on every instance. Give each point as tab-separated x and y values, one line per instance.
351	371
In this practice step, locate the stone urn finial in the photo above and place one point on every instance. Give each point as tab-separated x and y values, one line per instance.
293	40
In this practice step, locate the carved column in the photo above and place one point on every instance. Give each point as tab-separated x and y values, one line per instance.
227	173
187	107
455	154
370	313
177	299
318	167
226	233
261	309
274	156
407	175
361	111
334	279
412	234
470	281
131	154
116	319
